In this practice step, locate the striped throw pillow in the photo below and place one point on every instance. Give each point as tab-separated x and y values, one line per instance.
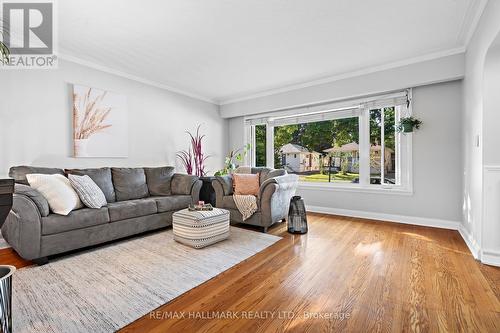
88	191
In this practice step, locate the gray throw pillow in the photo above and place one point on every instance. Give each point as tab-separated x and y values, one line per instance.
182	184
19	172
88	191
159	179
130	183
39	200
100	176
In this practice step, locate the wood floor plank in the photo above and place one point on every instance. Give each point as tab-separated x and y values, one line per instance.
346	274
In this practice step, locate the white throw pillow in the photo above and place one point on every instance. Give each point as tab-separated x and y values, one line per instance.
88	191
58	191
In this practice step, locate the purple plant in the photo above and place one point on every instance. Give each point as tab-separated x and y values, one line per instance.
187	160
193	159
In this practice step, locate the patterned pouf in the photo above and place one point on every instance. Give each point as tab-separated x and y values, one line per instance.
200	228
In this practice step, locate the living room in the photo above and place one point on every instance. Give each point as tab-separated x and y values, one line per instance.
249	166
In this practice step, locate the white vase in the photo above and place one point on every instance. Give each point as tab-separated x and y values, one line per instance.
81	147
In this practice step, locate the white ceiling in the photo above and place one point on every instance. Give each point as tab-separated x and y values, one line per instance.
220	50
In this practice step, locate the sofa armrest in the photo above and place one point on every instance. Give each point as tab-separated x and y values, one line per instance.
22	228
219	192
275	194
195	191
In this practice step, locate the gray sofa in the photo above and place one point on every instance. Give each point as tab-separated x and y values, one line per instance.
139	200
276	189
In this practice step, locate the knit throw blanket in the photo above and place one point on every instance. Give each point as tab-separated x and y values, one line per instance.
246	204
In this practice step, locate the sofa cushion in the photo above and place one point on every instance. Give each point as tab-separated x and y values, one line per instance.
19	172
58	191
77	219
132	208
101	176
88	191
228	202
158	180
35	196
172	202
129	183
182	184
246	184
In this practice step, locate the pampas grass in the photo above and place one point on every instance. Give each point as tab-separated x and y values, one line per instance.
88	115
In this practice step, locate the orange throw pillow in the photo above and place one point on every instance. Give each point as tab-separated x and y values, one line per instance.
246	184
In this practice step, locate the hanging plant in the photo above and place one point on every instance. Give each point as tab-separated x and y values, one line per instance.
408	124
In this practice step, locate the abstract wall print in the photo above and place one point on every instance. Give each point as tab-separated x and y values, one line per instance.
100	123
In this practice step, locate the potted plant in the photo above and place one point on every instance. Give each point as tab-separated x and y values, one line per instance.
194	158
230	161
408	124
4	50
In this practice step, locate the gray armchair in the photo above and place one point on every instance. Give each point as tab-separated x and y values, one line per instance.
276	189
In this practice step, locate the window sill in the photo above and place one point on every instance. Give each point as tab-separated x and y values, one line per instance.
374	189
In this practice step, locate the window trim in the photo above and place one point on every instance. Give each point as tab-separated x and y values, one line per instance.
404	147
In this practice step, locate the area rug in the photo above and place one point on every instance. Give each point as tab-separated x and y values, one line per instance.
106	288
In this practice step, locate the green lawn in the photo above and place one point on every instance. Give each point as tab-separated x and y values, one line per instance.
338	177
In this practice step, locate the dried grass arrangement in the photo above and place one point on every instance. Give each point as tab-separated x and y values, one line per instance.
88	115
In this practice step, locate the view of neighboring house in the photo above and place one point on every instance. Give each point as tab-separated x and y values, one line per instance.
350	152
296	158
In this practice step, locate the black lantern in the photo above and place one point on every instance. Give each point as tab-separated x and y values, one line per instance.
297	218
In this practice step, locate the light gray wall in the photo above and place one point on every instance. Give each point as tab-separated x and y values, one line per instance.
36	116
487	30
406	76
437	164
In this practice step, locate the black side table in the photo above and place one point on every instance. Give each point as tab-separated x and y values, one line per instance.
6	191
207	192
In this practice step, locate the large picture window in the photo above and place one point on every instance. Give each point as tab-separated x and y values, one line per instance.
353	144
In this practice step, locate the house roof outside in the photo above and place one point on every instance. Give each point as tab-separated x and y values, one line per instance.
292	148
353	146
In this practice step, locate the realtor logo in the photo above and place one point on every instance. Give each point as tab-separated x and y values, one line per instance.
29	34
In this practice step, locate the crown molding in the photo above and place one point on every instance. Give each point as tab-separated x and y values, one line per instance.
132	77
470	21
368	70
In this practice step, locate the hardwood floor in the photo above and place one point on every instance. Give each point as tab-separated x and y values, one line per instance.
346	274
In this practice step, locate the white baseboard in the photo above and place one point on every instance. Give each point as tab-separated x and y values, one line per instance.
470	242
490	257
422	221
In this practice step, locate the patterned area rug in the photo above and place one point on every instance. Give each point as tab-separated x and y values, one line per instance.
106	288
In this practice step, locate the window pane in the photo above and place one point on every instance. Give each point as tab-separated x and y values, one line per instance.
390	145
383	146
325	151
260	145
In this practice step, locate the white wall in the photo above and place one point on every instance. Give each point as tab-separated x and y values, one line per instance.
35	120
486	32
437	165
411	75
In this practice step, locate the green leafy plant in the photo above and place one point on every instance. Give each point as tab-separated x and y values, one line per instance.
231	160
408	124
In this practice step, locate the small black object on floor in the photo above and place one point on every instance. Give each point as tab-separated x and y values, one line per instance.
297	216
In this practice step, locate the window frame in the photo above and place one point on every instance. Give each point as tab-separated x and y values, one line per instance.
403	145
